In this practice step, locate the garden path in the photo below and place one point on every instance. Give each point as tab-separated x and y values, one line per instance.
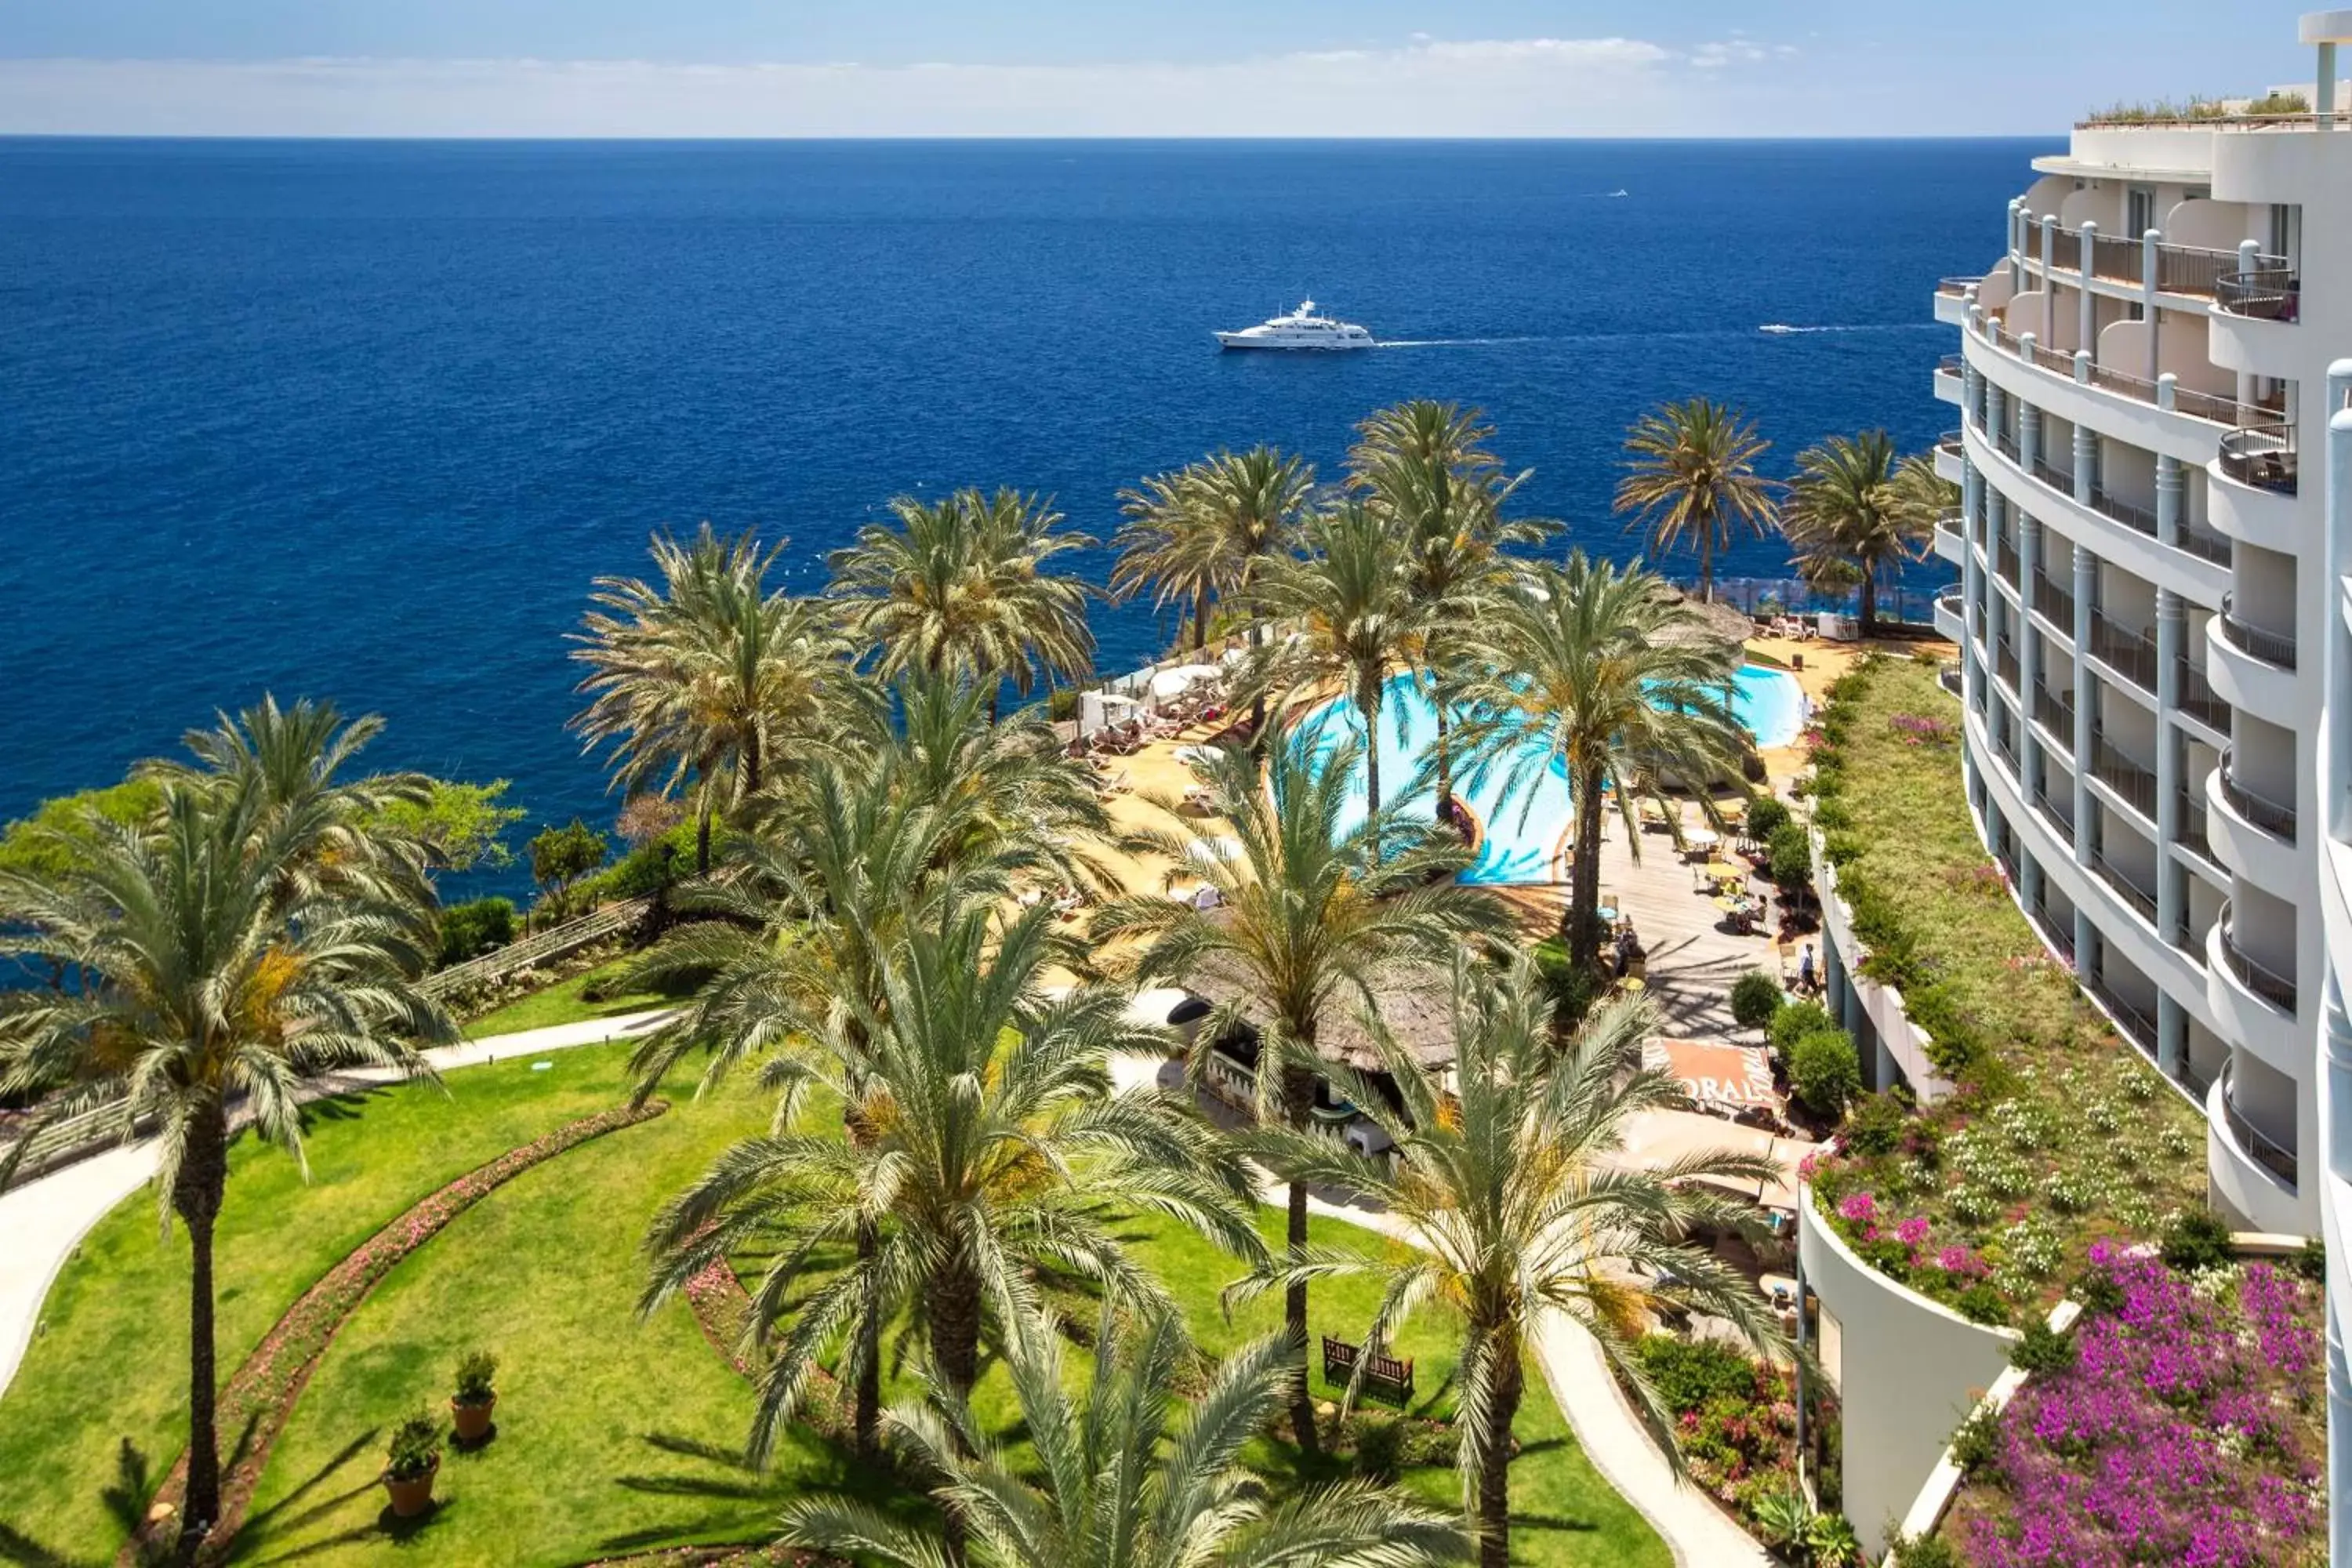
43	1220
1698	1533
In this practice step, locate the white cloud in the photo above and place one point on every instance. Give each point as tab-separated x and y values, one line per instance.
1422	87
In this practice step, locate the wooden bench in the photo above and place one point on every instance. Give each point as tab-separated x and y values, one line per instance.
1384	1373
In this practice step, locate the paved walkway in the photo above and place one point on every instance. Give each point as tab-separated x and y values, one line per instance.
1698	1533
42	1221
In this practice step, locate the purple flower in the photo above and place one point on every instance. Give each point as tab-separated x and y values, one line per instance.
1859	1207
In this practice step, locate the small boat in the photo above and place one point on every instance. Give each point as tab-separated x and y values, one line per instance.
1301	329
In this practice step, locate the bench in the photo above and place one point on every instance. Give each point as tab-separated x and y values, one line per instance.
1384	1373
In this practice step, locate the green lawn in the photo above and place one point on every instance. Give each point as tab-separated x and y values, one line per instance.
563	1003
75	1416
613	1434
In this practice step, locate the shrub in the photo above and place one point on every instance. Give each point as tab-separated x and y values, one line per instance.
474	928
1062	704
1765	818
1789	858
415	1448
2043	1348
2311	1263
1825	1071
477	1373
1878	1125
1690	1374
1977	1443
2197	1240
559	856
1795	1020
1781	1515
1755	997
1572	989
1981	1303
1926	1552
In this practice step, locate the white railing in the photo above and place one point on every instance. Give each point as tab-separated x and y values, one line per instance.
554	942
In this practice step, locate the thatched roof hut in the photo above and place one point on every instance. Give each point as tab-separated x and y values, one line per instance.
1726	621
1413	1004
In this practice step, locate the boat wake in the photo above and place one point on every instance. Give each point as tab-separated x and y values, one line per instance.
1449	343
1783	330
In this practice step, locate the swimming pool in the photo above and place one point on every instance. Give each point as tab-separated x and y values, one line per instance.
1523	834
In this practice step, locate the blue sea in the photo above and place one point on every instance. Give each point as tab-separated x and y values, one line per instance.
361	420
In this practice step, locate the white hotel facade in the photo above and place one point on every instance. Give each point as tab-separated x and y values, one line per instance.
2155	609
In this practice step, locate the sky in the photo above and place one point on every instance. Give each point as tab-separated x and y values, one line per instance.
1100	68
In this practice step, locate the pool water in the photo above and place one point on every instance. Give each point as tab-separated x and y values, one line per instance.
1523	832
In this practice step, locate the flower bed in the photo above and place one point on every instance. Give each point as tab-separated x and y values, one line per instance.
2189	1428
2057	1130
1735	1420
254	1406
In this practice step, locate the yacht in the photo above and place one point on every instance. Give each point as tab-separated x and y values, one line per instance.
1301	329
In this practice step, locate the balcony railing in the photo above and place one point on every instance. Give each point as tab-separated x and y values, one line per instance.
2199	540
2004	559
2139	518
2264	813
2056	604
2124	775
2212	406
2130	653
2059	934
2133	1021
2050	474
1956	286
2261	456
2004	659
2256	976
2266	294
1952	523
2061	820
2005	444
2004	740
2118	259
1949	365
2055	713
2253	640
2131	892
2192	828
2256	1144
2198	695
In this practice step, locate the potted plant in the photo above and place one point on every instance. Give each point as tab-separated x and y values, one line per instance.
471	1406
412	1462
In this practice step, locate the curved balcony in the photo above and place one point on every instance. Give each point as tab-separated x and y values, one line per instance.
1951	457
1948	378
2255	1176
2266	294
1950	616
2252	1003
1951	540
2243	830
2243	678
2261	457
2256	642
2190	269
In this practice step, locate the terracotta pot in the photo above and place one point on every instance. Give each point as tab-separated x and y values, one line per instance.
414	1495
473	1421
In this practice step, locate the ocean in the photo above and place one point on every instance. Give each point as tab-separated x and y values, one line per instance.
361	420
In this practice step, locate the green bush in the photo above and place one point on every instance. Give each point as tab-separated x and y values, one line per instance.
1825	1071
1765	818
2311	1262
2043	1348
1796	1018
1789	858
1876	1127
1062	704
477	1372
1689	1374
2196	1241
415	1448
1980	1304
1927	1552
1572	989
474	928
1755	997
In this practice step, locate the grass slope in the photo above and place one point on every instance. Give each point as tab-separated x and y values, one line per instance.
102	1395
563	1003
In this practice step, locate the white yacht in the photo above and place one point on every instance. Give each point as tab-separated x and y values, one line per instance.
1301	329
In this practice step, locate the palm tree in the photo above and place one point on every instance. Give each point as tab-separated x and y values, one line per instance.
299	761
707	677
1357	618
1172	541
215	964
959	587
995	1145
1513	1180
1614	677
1126	1483
1424	466
1311	916
1691	479
1854	510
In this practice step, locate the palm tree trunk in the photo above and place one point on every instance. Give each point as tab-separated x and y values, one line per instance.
1443	755
865	1411
1584	877
1258	699
197	1197
1495	1480
1297	1104
1200	620
1706	563
1869	600
702	838
1370	709
954	1307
